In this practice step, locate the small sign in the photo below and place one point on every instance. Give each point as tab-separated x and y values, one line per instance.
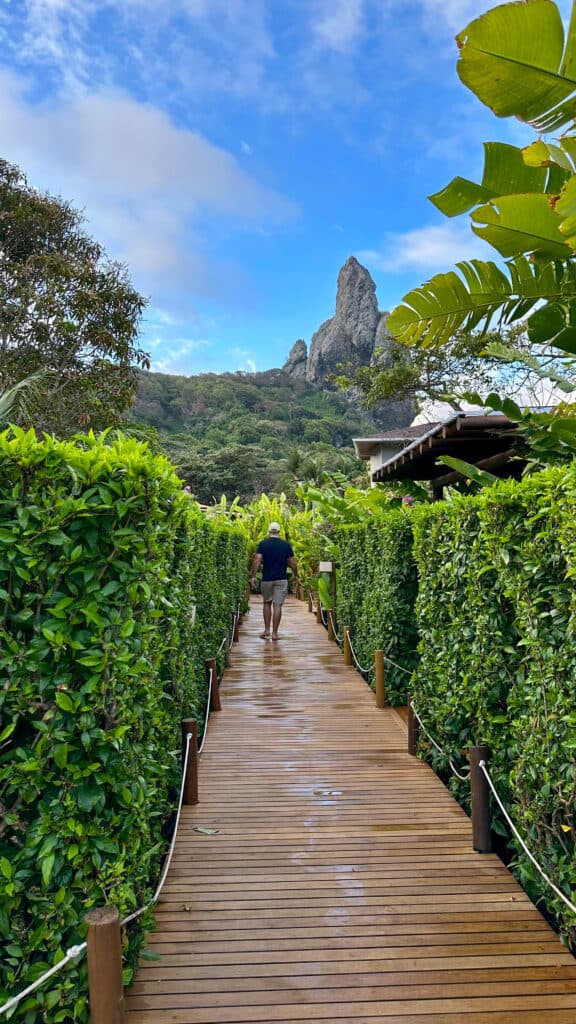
325	567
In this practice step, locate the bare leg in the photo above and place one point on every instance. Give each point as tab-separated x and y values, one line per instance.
277	615
267	612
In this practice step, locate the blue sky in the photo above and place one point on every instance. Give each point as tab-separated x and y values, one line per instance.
235	152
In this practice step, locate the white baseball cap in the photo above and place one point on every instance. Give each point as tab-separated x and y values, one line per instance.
274	528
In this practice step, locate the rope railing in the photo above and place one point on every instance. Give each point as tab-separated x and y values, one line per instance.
463	778
70	954
207	716
338	637
539	868
323	616
366	671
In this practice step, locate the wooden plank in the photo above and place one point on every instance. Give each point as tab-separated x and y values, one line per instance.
340	884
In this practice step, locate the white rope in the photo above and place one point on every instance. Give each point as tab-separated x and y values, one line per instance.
572	907
323	617
225	643
366	671
69	955
396	665
160	886
463	778
338	638
205	733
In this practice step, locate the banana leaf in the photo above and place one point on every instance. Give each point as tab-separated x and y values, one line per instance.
517	61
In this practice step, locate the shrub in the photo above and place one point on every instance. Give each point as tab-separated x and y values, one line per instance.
376	593
496	615
101	559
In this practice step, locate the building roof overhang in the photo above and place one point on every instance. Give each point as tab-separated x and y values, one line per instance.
475	438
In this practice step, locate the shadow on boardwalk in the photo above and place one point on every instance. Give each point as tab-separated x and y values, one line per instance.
341	884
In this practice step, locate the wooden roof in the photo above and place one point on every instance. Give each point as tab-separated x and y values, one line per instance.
485	441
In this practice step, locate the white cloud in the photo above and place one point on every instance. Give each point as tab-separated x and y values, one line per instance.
245	148
177	357
339	24
145	183
434	248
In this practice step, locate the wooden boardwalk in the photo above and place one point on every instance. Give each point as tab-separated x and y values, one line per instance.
340	884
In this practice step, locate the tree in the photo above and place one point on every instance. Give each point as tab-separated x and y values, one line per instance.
517	61
64	308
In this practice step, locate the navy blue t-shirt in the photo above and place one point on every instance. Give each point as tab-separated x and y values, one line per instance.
275	553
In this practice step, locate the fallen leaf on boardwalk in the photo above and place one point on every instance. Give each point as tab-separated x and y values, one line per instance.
187	907
206	831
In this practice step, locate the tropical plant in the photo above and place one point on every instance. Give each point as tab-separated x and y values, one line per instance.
517	60
19	402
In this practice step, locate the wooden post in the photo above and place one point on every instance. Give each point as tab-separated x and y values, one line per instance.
318	610
413	728
334	616
331	633
190	727
480	792
210	665
310	603
347	648
104	951
379	678
236	634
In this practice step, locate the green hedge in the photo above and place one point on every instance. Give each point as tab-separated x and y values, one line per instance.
102	558
496	615
376	593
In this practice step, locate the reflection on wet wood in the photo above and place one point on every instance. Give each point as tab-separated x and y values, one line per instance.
341	884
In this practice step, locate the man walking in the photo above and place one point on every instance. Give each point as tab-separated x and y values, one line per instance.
275	555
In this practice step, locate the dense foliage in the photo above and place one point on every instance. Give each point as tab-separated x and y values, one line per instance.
66	309
376	593
496	618
517	59
244	434
102	560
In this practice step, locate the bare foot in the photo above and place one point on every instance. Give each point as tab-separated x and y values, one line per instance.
275	637
266	636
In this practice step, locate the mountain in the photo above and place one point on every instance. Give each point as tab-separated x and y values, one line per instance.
353	337
240	433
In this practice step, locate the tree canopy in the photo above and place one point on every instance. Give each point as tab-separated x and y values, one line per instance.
66	309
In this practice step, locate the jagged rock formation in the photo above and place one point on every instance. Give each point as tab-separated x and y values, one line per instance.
295	365
349	336
349	339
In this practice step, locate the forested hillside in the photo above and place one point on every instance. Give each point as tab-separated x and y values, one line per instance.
240	433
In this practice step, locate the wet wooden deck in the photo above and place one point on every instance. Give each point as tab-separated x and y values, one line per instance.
340	884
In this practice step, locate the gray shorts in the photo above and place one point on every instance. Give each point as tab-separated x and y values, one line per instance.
274	590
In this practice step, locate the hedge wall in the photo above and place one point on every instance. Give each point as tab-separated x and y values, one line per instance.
101	559
376	593
496	613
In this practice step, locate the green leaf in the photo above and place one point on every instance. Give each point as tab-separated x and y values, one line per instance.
47	866
7	732
515	60
521	224
206	831
430	315
64	701
506	172
5	867
467	470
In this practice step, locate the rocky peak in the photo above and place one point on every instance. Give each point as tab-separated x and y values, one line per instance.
295	365
349	336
